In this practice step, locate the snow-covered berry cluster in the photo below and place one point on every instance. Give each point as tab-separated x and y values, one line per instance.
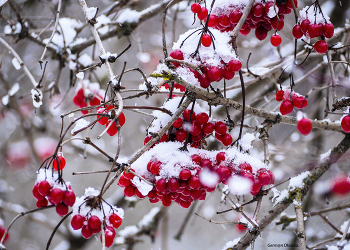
104	120
91	215
185	176
263	17
314	23
290	99
88	93
49	188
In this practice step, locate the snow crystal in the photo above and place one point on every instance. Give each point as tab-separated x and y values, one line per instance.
14	89
273	10
297	182
141	185
102	24
91	12
16	63
148	218
5	100
14	28
129	230
85	60
187	76
325	155
80	75
37	97
246	141
309	13
239	185
80	124
209	178
284	194
231	244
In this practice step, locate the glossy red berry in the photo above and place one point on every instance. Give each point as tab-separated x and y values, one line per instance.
69	198
109	235
123	181
224	20
59	162
234	65
42	203
328	30
61	209
86	231
261	33
195	128
255	188
56	195
196	8
223	172
305	26
203	14
155	167
220	128
77	221
314	30
187	115
297	32
258	10
321	46
204	81
245	167
113	129
177	54
94	222
36	193
279	95
202	118
276	40
286	107
44	188
213	21
264	178
173	184
194	182
161	185
235	15
206	40
129	191
221	156
299	102
181	135
115	220
208	128
341	185
345	124
177	123
304	126
214	73
277	24
227	140
185	174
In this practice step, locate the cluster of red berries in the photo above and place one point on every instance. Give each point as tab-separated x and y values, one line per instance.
81	100
312	24
188	184
90	214
48	190
341	185
2	232
345	124
263	17
211	73
290	99
104	120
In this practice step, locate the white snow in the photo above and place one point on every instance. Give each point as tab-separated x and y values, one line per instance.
246	141
81	123
91	12
129	230
148	218
209	178
297	181
5	100
239	185
231	244
80	75
141	185
325	156
85	60
37	97
16	63
314	17
14	89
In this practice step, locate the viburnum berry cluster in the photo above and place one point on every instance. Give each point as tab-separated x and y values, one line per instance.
91	214
290	99
88	93
263	17
185	176
314	23
49	188
104	120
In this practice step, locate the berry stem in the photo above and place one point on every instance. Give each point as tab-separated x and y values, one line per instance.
56	228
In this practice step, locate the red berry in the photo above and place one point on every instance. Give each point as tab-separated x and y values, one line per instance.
279	95
245	167
314	30
268	5
234	65
115	220
208	128
177	54
86	231
44	188
345	124
220	128
341	185
321	46
223	172
254	190
36	193
245	32
206	163
155	167
328	30
213	21
77	221
187	115
123	181
94	222
129	191
299	102
177	123
272	177
161	185
235	15
276	40
202	118
196	8
42	203
56	195
113	129
206	40
109	237
59	162
203	14
194	182
218	136
305	25
173	184
196	159
258	10
147	139
224	20
214	73
304	126
185	174
95	101
228	74
204	81
276	24
286	107
297	32
195	128
181	135
227	140
129	175
62	209
69	198
221	156
248	175
264	178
